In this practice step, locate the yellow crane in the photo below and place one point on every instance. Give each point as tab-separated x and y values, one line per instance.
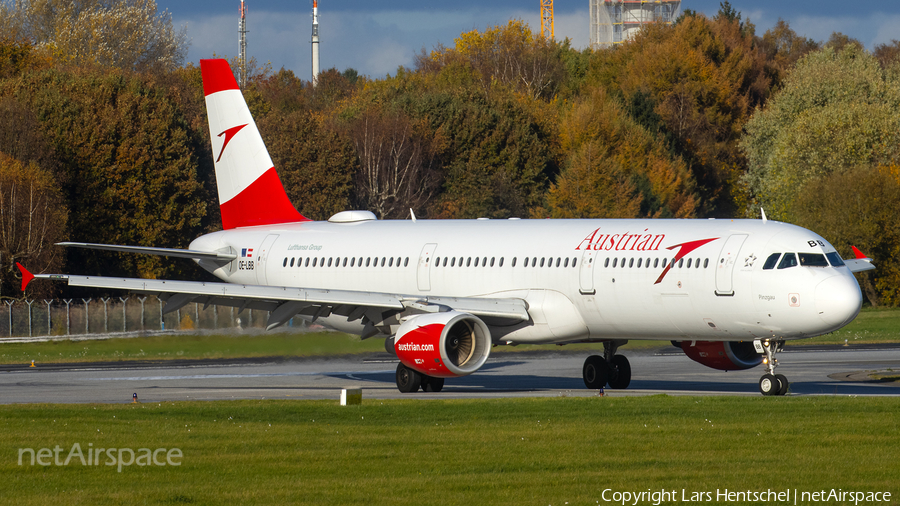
547	19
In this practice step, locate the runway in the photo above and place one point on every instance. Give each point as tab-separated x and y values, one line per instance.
823	371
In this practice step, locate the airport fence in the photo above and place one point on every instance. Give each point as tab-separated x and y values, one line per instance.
118	315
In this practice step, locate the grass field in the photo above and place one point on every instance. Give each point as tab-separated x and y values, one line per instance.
871	326
507	451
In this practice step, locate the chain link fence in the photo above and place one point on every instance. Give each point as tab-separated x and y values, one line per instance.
118	315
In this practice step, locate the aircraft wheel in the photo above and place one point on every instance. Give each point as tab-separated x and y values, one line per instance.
783	381
595	372
769	384
430	384
408	381
620	376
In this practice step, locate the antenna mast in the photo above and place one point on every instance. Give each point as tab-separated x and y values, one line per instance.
242	31
315	43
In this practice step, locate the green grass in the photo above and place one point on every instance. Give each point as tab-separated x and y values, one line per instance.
873	325
503	451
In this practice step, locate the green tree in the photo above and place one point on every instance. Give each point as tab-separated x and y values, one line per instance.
858	207
837	111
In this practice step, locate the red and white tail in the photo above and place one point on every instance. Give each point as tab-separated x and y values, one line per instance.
250	192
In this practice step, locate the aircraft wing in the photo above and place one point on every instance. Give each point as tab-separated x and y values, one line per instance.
285	302
860	263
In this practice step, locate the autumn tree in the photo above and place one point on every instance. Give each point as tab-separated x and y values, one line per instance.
693	84
131	172
33	217
511	55
615	169
127	34
783	47
397	163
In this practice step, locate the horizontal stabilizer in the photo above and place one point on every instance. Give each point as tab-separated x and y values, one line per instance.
168	252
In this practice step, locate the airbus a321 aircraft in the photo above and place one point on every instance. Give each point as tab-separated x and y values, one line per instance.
442	293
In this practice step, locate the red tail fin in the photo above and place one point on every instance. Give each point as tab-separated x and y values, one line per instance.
250	192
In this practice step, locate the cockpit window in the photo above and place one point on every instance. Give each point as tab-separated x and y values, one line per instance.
771	261
835	259
812	260
788	260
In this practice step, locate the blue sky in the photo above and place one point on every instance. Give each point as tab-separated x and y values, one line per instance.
377	37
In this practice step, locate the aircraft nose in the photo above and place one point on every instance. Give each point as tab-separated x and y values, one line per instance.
838	300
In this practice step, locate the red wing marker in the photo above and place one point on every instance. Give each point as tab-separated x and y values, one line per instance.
857	252
26	276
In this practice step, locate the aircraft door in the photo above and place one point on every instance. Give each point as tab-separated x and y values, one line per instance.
586	273
423	271
262	258
725	264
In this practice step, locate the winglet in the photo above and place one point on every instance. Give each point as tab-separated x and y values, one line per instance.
26	276
857	252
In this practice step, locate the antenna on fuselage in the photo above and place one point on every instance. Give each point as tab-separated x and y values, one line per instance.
763	211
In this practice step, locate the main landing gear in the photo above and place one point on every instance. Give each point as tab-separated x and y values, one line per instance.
609	369
409	381
771	383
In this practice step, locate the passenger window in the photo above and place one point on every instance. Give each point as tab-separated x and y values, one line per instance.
360	262
492	261
558	260
406	261
787	261
566	263
542	261
314	261
705	263
353	262
689	262
445	262
534	261
630	262
615	262
345	262
513	262
501	261
574	260
329	261
647	263
306	264
812	260
452	262
469	262
367	261
639	262
383	260
655	263
835	259
681	263
771	261
484	262
285	262
437	261
606	262
391	262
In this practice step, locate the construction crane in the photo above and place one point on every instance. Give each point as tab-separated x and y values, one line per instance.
547	19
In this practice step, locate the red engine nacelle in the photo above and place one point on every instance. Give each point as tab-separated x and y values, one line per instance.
443	345
723	355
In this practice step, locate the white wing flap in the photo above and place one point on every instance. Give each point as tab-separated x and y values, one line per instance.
179	293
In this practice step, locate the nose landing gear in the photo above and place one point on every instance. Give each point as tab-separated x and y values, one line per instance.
771	383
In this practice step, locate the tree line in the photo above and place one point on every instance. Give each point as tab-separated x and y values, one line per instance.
703	118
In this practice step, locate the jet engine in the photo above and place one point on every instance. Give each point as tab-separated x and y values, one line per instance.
443	345
723	355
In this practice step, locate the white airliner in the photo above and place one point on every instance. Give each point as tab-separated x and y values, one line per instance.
443	293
